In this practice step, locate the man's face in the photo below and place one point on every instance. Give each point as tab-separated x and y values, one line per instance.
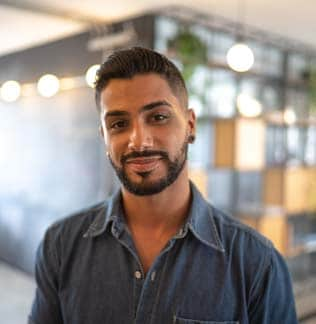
146	132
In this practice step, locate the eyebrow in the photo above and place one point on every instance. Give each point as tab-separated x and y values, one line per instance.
147	107
155	104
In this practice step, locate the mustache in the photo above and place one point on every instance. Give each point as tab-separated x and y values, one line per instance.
141	154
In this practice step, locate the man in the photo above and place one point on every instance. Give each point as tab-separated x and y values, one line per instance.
156	252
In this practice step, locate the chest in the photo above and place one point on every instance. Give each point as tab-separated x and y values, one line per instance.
182	283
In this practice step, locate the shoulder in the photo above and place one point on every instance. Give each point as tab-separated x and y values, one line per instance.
242	243
230	227
222	230
259	267
251	252
76	224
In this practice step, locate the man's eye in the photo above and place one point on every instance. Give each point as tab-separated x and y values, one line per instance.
159	117
119	124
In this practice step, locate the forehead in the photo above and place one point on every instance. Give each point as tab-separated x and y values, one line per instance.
139	90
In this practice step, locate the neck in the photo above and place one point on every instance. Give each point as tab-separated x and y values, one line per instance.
165	211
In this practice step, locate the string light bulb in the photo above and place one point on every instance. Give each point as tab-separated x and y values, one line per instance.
91	75
48	85
10	91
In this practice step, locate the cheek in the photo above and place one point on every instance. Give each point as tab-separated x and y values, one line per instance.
174	146
115	149
177	138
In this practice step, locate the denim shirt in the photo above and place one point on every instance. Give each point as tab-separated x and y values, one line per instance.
215	270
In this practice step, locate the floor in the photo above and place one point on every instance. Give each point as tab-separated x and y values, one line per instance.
16	295
311	321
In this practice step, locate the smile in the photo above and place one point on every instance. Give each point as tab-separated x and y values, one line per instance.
143	164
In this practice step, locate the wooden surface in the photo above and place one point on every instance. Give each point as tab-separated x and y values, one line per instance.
239	144
293	189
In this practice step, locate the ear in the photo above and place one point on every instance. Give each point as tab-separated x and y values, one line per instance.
191	122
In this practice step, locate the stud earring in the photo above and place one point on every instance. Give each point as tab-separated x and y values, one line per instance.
191	138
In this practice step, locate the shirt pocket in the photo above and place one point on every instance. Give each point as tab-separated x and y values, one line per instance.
180	320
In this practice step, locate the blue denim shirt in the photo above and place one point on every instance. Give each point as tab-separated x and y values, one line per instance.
215	270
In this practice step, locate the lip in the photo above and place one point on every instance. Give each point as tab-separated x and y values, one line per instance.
143	164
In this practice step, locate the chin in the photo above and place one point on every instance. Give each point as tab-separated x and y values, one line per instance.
147	187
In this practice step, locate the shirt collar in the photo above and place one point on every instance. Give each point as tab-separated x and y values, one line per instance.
200	220
112	213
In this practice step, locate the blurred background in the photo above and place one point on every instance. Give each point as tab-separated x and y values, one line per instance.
250	67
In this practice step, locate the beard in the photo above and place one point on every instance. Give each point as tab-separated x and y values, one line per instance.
147	187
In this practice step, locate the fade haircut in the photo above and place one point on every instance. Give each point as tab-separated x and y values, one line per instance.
126	63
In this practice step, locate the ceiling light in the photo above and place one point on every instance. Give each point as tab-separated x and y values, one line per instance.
248	106
91	75
10	91
48	85
240	57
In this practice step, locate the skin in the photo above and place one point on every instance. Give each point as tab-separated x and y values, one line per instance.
142	114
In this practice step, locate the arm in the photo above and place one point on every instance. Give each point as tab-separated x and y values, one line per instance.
46	306
272	300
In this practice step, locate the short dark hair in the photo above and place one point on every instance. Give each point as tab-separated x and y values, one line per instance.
126	63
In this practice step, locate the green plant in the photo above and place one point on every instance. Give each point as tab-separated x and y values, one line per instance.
189	49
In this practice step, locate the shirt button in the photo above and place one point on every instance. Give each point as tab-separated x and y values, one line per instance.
153	276
138	274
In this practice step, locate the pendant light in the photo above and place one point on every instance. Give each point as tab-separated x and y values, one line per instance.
240	57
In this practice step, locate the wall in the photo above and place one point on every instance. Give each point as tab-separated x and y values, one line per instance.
52	159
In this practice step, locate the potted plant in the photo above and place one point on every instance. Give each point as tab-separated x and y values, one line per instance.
189	49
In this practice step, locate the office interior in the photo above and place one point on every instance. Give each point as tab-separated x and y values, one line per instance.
253	89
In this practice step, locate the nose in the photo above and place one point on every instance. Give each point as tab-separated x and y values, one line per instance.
140	138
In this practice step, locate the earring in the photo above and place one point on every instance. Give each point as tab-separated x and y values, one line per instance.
191	138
